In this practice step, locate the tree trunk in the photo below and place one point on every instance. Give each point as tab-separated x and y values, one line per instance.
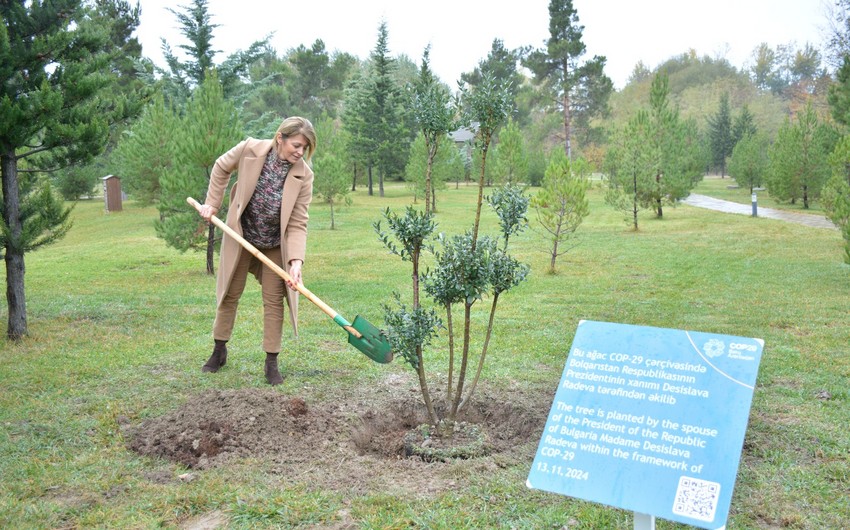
13	253
380	182
370	180
806	197
432	151
423	387
332	215
480	193
433	199
635	202
450	331
554	256
464	360
568	126
658	210
210	249
354	178
487	336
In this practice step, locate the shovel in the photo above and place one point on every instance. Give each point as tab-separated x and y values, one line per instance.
361	334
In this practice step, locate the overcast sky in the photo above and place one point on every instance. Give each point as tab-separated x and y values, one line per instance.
461	32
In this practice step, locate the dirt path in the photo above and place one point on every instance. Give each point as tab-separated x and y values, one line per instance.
704	201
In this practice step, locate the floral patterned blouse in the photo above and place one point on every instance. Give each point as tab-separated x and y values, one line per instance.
261	218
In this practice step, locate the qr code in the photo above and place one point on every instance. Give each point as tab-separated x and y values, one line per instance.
696	498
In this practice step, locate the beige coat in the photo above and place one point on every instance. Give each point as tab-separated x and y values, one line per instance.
247	158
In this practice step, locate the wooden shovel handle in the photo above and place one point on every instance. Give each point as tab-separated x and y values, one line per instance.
275	267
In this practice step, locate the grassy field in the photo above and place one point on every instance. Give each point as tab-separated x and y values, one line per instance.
120	325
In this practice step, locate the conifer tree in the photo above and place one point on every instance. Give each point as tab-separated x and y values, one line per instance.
672	148
836	193
447	164
799	159
629	166
147	151
580	90
561	204
57	103
184	75
330	164
375	117
210	127
748	163
511	155
720	135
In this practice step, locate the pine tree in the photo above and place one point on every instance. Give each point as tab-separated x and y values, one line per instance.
447	164
839	93
580	90
211	127
183	76
147	151
748	163
720	135
629	165
318	80
836	193
362	144
57	103
330	164
671	148
384	114
511	155
744	125
375	118
561	204
799	159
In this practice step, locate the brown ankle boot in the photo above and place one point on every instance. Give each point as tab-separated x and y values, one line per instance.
218	357
273	376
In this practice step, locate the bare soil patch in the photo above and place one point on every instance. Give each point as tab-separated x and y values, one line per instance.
348	443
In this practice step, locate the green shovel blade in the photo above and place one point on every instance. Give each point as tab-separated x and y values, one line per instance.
373	343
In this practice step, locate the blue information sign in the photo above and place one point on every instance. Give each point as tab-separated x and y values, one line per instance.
650	420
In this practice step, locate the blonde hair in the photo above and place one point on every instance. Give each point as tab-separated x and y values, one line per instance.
298	125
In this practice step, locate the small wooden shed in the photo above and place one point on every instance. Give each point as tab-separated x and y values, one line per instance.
112	193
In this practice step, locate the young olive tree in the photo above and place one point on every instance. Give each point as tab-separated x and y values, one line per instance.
467	267
409	330
436	112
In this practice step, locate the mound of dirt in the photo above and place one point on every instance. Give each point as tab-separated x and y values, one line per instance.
339	445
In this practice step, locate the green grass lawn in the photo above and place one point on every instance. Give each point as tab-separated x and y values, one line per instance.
120	325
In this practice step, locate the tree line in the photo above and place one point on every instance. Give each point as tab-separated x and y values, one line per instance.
79	101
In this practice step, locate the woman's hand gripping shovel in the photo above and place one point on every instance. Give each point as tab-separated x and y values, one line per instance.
361	334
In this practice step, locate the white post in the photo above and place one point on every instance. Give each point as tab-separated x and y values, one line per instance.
644	521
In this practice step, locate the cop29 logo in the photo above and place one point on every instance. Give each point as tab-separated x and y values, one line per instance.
714	348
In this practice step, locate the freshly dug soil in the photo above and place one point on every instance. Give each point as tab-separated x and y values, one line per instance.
357	442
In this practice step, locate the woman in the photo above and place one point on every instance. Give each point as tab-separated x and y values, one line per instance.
268	207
